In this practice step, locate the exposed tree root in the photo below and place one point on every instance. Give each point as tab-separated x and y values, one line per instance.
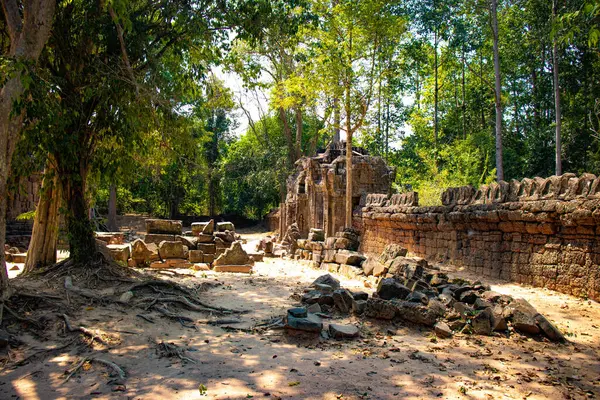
183	320
118	370
90	294
172	350
93	336
37	353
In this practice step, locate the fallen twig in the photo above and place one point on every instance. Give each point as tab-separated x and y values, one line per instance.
110	364
83	330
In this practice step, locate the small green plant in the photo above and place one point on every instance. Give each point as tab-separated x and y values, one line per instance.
26	216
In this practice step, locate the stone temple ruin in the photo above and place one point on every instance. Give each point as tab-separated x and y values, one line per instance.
541	232
316	190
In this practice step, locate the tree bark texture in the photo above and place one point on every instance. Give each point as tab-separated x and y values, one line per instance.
44	237
557	113
498	92
28	24
112	209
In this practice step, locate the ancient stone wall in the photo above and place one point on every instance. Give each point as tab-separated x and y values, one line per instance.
540	232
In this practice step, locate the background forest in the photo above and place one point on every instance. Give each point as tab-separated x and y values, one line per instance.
131	98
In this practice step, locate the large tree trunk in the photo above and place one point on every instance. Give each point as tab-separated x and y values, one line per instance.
498	92
82	244
337	120
28	35
435	93
349	186
44	237
558	113
287	132
112	209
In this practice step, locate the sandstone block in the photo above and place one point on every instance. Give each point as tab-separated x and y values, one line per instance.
163	226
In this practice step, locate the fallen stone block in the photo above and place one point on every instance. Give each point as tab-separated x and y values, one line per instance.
338	331
119	252
19	258
327	280
482	322
143	252
342	299
417	313
316	235
417	297
189	241
358	307
310	323
196	256
168	250
201	267
349	257
164	226
207	248
442	330
233	256
208	258
330	267
202	238
380	309
392	251
350	271
198	227
256	257
225	226
389	288
246	269
209	228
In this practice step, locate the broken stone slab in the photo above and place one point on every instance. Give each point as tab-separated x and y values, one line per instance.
208	258
464	310
481	304
469	297
392	251
405	268
19	258
198	227
342	299
456	325
143	252
156	238
189	241
225	226
491	296
328	280
209	228
390	288
380	309
168	250
311	323
163	226
227	236
316	235
417	284
201	267
442	330
498	321
380	269
343	244
418	313
298	312
548	329
314	308
349	257
256	257
446	299
235	255
110	237
522	316
321	287
246	269
482	322
338	331
207	248
438	279
119	252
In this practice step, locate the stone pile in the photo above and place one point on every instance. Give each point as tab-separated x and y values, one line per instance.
322	298
418	295
165	245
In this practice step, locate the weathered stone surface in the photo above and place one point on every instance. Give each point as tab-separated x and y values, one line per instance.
548	329
446	299
389	288
156	238
442	330
350	271
481	304
463	309
202	238
201	267
522	316
110	237
405	269
198	227
380	309
328	280
209	228
469	296
380	269
330	267
498	321
349	257
208	258
358	307
164	226
143	252
314	308
417	313
438	279
207	248
196	256
342	298
119	252
227	236
225	226
298	312
338	331
256	257
323	288
233	256
168	250
360	295
189	241
482	322
392	251
311	323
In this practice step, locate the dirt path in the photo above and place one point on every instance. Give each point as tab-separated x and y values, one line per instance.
390	360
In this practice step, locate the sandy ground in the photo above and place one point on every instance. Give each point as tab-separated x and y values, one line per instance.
390	360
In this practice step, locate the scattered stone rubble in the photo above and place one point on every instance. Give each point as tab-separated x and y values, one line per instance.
165	245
